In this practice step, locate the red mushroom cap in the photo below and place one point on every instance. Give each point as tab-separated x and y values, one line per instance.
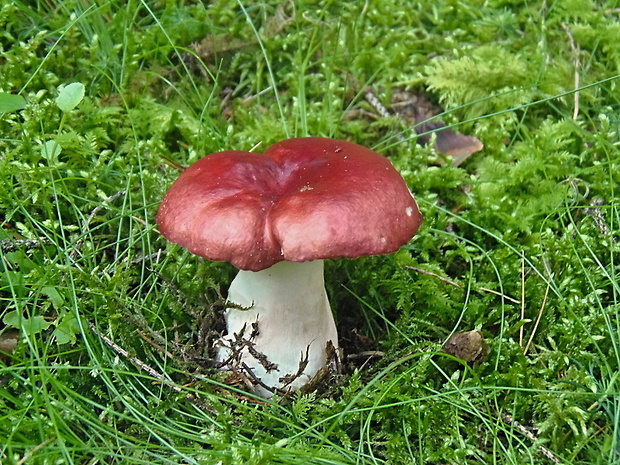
303	199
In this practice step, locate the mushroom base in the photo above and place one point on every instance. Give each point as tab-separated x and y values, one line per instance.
279	318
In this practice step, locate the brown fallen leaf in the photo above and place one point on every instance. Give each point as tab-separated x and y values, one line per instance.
469	346
418	110
451	143
8	343
214	44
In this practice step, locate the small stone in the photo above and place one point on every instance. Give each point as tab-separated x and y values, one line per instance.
8	343
469	346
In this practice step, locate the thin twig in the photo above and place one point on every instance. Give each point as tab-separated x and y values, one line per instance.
93	213
32	451
255	146
366	354
540	313
598	218
255	380
150	370
156	345
576	62
152	256
98	208
11	245
376	104
158	341
173	164
248	99
521	329
136	361
430	273
503	296
144	223
546	452
303	363
452	283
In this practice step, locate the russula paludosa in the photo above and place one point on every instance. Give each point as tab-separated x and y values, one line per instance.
276	216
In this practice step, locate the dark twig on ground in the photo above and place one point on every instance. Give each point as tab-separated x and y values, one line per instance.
452	283
577	63
508	419
93	214
12	245
599	220
151	371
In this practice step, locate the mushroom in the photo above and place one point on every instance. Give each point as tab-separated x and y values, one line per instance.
276	216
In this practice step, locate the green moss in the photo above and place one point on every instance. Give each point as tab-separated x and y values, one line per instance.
524	230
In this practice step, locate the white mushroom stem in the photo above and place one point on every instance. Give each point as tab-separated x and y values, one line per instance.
290	305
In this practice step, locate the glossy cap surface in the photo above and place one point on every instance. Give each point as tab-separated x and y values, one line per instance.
303	199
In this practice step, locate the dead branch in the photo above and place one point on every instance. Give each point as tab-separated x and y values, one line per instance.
523	430
86	225
430	273
12	245
577	64
151	371
540	313
452	283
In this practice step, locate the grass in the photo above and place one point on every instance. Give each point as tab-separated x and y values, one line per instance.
520	241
